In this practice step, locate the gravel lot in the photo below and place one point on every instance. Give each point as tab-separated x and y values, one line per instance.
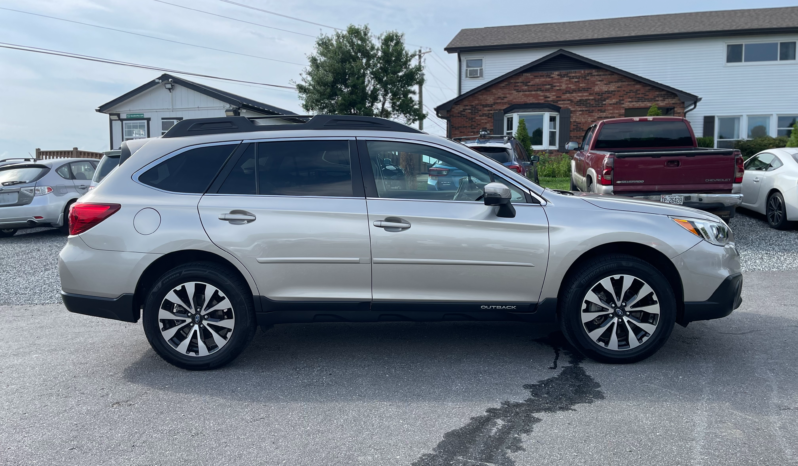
28	261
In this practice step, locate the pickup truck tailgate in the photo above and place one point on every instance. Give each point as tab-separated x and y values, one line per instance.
673	171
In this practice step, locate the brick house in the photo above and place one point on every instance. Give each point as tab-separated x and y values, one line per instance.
558	96
560	77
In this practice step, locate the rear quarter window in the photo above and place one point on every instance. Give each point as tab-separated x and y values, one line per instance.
189	172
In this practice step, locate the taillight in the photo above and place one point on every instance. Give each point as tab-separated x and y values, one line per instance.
739	167
605	178
438	171
83	217
516	168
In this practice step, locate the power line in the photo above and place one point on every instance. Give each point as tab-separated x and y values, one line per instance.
234	19
440	61
150	37
438	80
279	14
433	121
27	48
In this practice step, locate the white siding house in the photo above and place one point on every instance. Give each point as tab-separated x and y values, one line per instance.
742	64
150	110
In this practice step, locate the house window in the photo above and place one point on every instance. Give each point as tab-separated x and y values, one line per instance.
474	68
542	128
641	112
758	126
136	129
760	52
167	123
786	123
728	132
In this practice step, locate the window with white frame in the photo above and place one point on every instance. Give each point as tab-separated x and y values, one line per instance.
134	129
728	132
786	123
758	126
760	52
543	128
167	123
474	68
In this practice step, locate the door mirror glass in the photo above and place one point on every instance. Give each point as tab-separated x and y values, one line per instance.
534	158
572	146
498	194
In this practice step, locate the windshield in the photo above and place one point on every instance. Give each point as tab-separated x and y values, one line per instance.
12	176
106	165
499	154
644	134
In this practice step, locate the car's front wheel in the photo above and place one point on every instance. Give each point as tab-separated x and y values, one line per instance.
199	316
618	309
8	232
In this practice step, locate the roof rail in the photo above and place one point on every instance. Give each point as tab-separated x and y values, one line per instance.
239	124
483	137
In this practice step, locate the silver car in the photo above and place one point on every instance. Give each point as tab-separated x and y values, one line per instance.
225	224
770	187
39	194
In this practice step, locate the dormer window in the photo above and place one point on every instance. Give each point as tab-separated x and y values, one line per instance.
474	68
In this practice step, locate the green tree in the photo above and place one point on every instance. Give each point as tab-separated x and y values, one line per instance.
353	73
793	142
654	111
522	135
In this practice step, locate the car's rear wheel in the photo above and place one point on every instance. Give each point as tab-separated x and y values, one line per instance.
64	228
776	212
199	316
8	232
617	309
573	185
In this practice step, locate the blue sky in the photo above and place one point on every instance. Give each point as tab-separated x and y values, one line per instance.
49	102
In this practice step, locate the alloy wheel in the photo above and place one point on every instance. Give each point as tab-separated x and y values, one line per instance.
620	312
775	212
196	319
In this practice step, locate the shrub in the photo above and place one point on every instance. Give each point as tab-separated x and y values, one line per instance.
654	111
554	165
793	142
753	146
522	135
708	141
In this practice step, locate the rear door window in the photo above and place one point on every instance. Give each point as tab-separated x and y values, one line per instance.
82	171
189	172
242	179
305	168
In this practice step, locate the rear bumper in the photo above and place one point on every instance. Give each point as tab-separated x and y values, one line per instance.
726	298
119	308
49	208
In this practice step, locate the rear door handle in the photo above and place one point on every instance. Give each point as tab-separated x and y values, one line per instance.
392	224
238	217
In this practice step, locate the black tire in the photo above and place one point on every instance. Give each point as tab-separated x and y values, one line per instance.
65	227
576	288
226	281
8	232
573	185
776	211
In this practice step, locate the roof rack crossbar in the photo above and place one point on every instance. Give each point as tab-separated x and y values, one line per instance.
239	124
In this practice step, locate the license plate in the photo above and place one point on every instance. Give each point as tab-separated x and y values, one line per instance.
8	198
672	199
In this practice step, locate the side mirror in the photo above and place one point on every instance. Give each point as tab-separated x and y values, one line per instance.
572	146
534	158
497	194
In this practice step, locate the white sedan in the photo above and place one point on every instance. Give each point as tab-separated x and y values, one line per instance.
770	185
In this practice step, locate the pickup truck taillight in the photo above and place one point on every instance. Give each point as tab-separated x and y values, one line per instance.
438	171
516	168
83	217
739	167
605	178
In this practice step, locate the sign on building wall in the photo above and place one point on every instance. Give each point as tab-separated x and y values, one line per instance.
134	115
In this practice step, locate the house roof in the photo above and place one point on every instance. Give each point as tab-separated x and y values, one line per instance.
224	96
563	60
629	29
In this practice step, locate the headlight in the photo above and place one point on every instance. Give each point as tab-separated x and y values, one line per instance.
716	233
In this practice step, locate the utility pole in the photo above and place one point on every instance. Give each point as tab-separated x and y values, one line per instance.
421	88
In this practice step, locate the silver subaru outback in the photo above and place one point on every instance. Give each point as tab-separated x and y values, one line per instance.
225	224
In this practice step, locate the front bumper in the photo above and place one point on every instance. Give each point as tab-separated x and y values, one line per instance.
119	308
726	298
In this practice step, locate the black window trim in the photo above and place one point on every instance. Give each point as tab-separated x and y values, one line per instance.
69	169
371	185
177	152
354	165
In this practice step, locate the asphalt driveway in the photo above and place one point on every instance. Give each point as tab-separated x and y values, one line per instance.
81	390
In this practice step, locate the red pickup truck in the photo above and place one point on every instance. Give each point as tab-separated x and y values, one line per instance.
657	158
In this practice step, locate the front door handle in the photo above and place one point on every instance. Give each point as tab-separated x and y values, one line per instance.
392	224
756	180
238	217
